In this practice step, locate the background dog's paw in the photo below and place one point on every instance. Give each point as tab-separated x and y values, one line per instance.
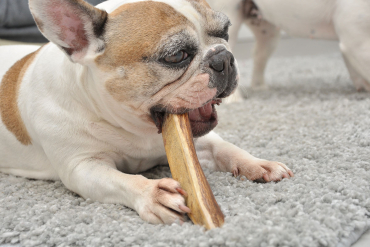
263	171
257	88
163	202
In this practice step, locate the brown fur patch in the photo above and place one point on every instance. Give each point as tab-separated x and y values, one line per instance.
9	87
138	72
134	30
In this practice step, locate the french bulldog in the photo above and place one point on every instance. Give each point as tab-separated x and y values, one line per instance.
345	21
87	108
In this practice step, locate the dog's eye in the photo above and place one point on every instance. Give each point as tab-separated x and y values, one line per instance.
177	58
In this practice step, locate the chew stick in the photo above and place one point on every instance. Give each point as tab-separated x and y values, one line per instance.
185	168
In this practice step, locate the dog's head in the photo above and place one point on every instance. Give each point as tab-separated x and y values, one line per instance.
149	57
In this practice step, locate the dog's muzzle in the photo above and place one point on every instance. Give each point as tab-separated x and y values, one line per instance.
221	64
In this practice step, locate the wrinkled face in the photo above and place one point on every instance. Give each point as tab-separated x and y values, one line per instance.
146	58
168	57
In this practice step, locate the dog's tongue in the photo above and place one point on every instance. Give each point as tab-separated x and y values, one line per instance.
202	113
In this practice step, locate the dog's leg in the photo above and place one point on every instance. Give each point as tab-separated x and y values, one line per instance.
156	201
234	10
351	23
360	83
267	36
218	155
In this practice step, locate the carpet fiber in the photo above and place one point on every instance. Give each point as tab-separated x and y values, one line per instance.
311	118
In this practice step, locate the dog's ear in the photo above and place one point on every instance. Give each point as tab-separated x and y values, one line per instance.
74	25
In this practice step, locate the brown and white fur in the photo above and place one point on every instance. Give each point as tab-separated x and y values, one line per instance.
86	108
345	21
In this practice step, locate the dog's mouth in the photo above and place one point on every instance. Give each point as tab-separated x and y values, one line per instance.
202	119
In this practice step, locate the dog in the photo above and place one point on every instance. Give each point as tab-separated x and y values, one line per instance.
87	108
345	21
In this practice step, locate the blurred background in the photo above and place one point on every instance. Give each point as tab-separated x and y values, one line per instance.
17	25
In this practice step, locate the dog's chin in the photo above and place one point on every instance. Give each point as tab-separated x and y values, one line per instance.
202	119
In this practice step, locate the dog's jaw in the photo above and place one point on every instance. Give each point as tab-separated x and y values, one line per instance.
202	119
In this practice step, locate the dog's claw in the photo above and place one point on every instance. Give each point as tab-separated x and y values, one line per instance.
236	172
266	177
182	192
291	174
185	209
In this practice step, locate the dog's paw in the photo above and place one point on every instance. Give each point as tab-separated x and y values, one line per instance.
163	202
259	87
263	171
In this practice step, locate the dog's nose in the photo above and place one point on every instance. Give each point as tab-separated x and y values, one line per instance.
221	61
222	64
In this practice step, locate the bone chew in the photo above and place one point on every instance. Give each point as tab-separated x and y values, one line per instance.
185	168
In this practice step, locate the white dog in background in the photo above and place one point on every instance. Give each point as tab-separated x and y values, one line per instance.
347	21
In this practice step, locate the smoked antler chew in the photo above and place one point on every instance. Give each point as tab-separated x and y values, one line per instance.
185	168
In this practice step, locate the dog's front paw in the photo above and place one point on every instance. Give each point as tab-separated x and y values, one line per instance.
162	202
263	170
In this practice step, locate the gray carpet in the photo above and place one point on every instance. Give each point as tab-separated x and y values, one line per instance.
311	118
